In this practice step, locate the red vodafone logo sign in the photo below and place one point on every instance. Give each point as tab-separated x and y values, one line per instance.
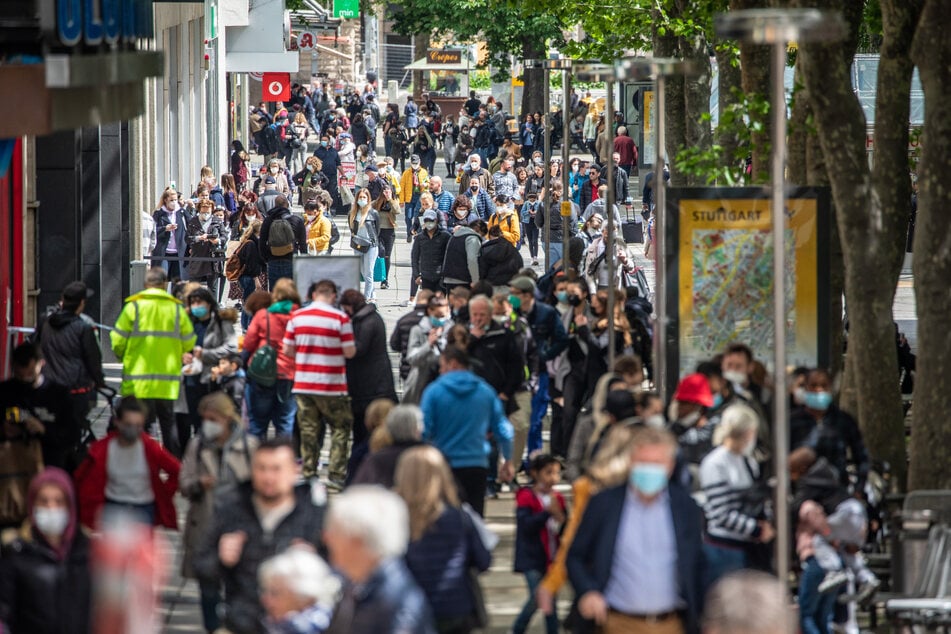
276	86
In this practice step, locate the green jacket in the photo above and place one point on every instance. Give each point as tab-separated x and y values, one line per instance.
151	335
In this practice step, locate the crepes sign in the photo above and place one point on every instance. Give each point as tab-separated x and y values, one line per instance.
440	56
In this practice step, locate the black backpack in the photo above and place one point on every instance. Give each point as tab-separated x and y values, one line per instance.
280	236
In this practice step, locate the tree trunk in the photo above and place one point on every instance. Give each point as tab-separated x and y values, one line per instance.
668	45
533	93
754	65
868	220
796	167
729	80
420	50
697	131
930	437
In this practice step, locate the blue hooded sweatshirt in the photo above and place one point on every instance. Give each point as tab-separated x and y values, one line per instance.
459	409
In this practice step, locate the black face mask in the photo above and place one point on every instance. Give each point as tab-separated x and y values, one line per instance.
574	300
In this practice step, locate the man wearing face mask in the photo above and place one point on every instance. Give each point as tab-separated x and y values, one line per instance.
474	171
830	432
428	253
688	409
737	364
479	197
637	562
332	170
128	472
413	183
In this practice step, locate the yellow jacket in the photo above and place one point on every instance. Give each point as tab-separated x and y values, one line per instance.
508	221
406	184
152	333
318	233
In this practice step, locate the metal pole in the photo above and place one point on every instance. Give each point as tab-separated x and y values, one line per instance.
660	242
612	230
546	153
565	145
778	211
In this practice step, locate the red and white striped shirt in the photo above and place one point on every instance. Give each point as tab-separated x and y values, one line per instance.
319	334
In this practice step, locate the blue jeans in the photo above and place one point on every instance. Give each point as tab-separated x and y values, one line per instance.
533	578
246	282
276	269
555	251
411	211
721	561
367	262
539	408
815	610
271	405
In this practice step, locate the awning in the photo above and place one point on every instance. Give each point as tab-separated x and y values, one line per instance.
424	64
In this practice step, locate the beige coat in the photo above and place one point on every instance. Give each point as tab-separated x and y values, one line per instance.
230	467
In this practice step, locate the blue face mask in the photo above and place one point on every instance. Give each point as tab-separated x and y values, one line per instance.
717	400
819	401
199	312
323	144
562	297
649	478
437	322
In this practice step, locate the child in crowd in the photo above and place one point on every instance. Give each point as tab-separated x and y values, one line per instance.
540	515
228	377
832	525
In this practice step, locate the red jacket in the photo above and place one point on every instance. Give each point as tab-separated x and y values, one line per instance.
91	478
257	333
533	550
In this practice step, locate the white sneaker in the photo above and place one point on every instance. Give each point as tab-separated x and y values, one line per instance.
833	580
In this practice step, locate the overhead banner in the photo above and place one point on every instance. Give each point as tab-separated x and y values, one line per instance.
720	276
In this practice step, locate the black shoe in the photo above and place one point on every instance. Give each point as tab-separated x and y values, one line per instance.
384	284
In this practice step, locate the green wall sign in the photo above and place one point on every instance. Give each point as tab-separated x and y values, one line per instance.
347	9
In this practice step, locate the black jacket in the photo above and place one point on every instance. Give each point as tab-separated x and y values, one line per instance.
838	440
497	358
553	211
250	256
205	249
428	254
399	339
50	403
300	234
72	353
42	595
234	511
499	262
369	373
379	467
372	225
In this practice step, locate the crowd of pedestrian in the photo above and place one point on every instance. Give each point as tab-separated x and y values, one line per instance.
231	410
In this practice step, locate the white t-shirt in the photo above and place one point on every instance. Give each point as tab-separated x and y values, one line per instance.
127	474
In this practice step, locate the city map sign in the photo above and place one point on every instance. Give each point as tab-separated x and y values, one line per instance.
720	275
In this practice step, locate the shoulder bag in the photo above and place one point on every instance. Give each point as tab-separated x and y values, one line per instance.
263	366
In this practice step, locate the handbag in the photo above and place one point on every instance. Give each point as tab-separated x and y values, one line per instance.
263	366
379	270
358	242
346	196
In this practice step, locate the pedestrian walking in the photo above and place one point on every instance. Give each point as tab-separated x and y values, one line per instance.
413	183
170	236
364	223
282	234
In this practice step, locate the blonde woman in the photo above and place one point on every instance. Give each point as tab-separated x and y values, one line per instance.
170	235
426	202
300	130
443	544
609	468
364	223
218	458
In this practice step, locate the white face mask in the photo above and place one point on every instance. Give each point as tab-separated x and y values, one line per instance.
172	206
363	202
310	215
474	166
656	420
734	376
51	522
274	170
250	216
211	430
204	217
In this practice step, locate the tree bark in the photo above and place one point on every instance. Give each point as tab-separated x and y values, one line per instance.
668	45
533	93
930	446
420	50
796	167
754	66
729	80
697	132
868	220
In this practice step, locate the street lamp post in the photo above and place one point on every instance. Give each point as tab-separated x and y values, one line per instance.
777	28
596	72
658	69
564	65
546	183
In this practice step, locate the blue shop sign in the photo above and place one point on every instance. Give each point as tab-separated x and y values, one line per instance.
94	22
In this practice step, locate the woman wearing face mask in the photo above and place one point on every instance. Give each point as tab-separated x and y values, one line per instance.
48	561
450	136
218	458
461	214
254	274
526	135
364	223
464	147
427	340
207	237
388	207
591	229
832	433
311	180
317	225
275	169
730	479
170	235
576	179
215	339
330	167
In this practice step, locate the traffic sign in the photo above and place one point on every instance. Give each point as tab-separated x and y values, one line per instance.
306	40
277	86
